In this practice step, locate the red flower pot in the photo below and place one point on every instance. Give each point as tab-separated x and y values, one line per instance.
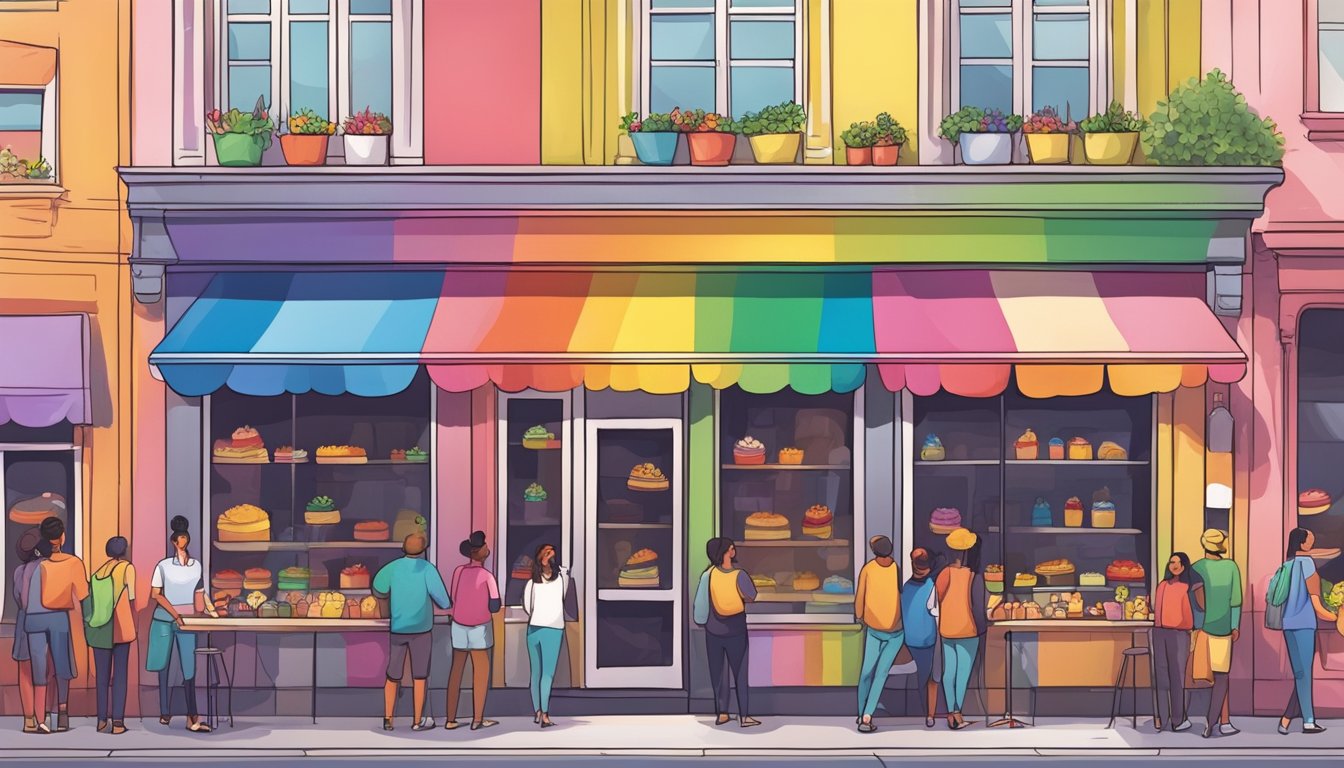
304	148
711	147
858	155
887	155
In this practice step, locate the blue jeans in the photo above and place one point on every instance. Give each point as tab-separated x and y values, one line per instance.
1301	655
879	653
958	663
543	653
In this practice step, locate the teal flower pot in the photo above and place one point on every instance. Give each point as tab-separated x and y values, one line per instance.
238	149
655	148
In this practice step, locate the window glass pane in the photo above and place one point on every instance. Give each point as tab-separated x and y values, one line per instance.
371	66
1330	10
28	476
533	517
249	6
683	3
989	3
685	87
751	88
761	39
1061	2
1332	70
250	41
246	83
298	7
379	7
1064	88
987	86
682	37
1057	36
20	110
986	36
308	87
1320	426
736	4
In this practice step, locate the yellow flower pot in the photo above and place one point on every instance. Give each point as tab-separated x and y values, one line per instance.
776	148
1110	148
1048	148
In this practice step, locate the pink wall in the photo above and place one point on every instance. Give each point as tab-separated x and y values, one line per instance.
152	83
483	82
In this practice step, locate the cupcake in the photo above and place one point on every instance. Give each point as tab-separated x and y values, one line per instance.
837	585
1056	449
1026	446
1073	512
790	455
1080	449
534	492
1041	516
748	450
945	520
1103	509
932	450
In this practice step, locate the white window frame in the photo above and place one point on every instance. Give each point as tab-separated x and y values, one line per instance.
723	60
50	124
74	510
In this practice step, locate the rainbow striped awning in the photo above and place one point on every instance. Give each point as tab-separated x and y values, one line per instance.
762	329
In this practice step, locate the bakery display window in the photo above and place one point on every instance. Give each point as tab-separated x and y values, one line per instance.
786	497
39	481
1059	490
1320	440
534	493
309	495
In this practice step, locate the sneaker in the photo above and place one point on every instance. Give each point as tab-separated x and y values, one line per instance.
1184	725
1228	729
1313	728
424	725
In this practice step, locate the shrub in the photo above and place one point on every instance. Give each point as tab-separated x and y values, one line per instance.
860	135
977	120
780	118
367	123
308	122
1114	120
889	131
255	123
654	122
1207	122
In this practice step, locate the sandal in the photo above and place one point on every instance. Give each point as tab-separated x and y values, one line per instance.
165	721
723	719
102	726
118	727
867	727
451	725
748	722
425	724
62	721
387	723
483	724
929	722
198	727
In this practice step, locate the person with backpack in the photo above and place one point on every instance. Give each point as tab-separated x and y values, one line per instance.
1173	620
1293	606
921	629
109	627
721	608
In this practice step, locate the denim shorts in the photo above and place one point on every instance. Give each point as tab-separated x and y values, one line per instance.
477	638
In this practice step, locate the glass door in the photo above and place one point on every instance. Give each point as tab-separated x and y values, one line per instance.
634	524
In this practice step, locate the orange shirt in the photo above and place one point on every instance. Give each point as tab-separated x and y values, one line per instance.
64	582
1171	606
955	620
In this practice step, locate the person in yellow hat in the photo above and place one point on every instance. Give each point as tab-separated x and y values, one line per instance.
961	620
1218	595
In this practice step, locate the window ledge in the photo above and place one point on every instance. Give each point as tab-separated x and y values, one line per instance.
29	208
1324	126
31	189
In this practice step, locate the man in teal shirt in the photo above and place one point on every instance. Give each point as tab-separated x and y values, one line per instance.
413	586
1218	595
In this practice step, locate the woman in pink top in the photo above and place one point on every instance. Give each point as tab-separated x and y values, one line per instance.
1172	622
475	598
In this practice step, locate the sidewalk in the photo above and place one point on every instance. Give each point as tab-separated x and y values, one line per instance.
660	736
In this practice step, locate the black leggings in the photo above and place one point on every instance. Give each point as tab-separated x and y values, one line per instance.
734	649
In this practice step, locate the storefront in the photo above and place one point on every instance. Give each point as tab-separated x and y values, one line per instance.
609	384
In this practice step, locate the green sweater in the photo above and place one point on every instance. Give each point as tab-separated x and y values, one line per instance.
1222	595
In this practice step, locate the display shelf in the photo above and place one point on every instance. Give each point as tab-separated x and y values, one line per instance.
369	463
535	524
788	467
634	526
1078	462
628	595
961	463
1037	529
793	543
803	597
300	546
1069	588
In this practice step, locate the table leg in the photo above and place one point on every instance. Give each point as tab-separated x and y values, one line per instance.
314	700
1007	719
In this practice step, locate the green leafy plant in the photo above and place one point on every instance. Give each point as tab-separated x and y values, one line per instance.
860	135
367	123
699	121
964	120
1207	122
39	169
654	122
255	123
1114	120
307	122
889	131
1047	120
788	117
11	165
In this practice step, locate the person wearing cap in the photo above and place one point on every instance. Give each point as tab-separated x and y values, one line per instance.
921	629
877	605
961	615
30	549
475	599
413	588
1218	595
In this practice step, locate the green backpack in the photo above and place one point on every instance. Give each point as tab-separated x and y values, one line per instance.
103	591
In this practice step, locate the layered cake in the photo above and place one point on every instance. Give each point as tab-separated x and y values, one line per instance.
355	577
227	581
244	447
1041	516
945	520
1024	580
993	578
288	454
806	581
748	450
534	492
244	522
767	526
932	449
256	579
1073	512
293	578
791	456
1079	449
1026	447
1313	501
1056	449
1091	579
817	522
1103	509
342	454
372	530
640	571
1125	570
763	583
33	511
522	568
647	477
540	438
321	511
1111	451
837	585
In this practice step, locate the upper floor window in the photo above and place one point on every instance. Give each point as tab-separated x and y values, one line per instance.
1329	35
726	56
1022	55
27	112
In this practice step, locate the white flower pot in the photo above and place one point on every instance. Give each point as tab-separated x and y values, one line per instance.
986	148
363	149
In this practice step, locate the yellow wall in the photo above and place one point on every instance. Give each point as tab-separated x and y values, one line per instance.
1168	48
586	76
875	66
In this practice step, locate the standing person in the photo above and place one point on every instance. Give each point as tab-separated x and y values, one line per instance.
544	601
109	626
1172	622
30	549
177	588
412	587
961	619
61	585
1218	594
721	607
877	604
475	598
1300	613
921	629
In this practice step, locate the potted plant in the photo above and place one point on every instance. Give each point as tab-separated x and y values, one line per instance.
306	141
1110	138
985	136
654	137
240	137
775	133
859	139
710	136
366	136
1206	122
1048	137
890	139
39	169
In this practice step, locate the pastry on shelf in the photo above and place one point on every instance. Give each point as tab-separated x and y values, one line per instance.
748	450
1073	512
522	568
341	454
244	522
321	511
372	530
837	585
534	492
416	455
806	581
1091	579
288	454
932	449
397	454
640	571
1079	449
32	511
245	446
817	522
1313	501
993	578
1024	580
647	477
1137	609
1041	516
1056	571
1111	451
1076	605
998	610
1056	449
257	578
767	526
763	583
355	577
1026	447
255	600
945	520
1103	509
368	608
330	605
538	438
293	578
227	581
1125	570
1032	611
790	455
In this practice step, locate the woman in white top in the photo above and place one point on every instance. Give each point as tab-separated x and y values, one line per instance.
177	588
544	601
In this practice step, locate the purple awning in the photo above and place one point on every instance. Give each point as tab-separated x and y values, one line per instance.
44	369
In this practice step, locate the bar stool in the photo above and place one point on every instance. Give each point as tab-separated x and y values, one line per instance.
1130	662
216	672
